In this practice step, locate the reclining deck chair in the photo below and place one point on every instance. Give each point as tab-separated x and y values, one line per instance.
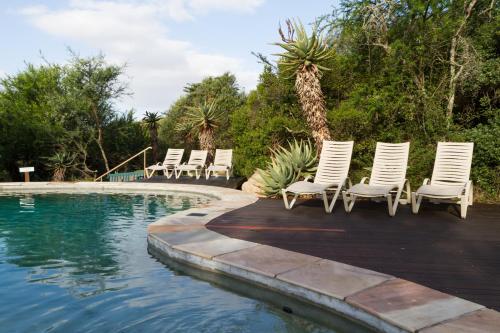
387	177
450	177
222	163
172	160
196	163
331	175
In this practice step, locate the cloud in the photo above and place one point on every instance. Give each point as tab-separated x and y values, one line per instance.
131	32
226	5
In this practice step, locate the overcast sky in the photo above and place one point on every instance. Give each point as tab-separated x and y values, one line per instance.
165	43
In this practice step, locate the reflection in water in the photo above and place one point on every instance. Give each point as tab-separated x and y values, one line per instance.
79	263
26	204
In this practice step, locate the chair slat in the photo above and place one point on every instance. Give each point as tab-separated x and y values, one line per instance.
453	163
390	163
334	162
223	157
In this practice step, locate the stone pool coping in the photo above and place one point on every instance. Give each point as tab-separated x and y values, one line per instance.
382	302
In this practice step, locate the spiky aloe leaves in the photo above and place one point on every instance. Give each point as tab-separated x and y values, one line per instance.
303	51
288	166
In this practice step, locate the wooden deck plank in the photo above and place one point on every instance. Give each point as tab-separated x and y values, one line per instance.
434	248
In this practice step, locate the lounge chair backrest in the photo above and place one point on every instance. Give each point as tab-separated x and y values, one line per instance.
173	157
390	163
198	157
223	157
334	162
453	163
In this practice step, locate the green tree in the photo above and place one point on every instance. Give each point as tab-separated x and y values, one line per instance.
151	121
303	60
98	85
203	120
229	98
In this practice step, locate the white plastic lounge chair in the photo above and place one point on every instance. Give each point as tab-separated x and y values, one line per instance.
387	177
196	163
222	163
172	160
331	175
450	177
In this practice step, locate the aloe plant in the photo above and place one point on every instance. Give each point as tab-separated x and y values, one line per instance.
303	59
288	165
59	163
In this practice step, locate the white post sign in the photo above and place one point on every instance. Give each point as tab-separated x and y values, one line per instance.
26	171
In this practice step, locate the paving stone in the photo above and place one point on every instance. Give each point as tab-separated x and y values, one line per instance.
156	229
333	278
190	236
266	260
210	249
482	321
409	305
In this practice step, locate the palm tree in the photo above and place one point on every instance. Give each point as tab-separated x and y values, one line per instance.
202	119
302	60
151	120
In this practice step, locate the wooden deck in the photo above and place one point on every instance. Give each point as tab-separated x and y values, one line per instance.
434	248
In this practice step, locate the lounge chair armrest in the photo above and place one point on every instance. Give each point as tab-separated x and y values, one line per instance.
363	180
309	178
426	181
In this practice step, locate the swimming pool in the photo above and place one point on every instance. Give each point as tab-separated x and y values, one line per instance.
79	263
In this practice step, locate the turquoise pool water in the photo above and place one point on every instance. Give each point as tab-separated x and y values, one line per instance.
79	263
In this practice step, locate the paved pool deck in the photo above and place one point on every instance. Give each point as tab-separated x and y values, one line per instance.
381	301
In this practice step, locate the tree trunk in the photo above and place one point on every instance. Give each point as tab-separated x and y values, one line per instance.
101	148
313	103
100	138
454	73
206	138
154	144
58	175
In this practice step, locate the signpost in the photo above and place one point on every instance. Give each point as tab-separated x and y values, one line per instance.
26	171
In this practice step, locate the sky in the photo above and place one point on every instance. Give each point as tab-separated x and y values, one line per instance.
165	44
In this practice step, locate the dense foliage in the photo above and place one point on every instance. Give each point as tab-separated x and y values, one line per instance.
409	70
62	120
414	70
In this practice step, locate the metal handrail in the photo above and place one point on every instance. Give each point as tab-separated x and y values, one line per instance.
125	162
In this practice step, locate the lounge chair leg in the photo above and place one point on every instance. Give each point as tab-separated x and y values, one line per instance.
471	194
325	202
349	201
197	174
463	206
389	204
396	201
227	174
415	202
288	205
329	206
407	193
207	174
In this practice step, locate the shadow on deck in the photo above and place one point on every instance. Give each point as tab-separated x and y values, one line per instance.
434	248
234	183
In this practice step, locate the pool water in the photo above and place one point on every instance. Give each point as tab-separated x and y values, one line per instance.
79	263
